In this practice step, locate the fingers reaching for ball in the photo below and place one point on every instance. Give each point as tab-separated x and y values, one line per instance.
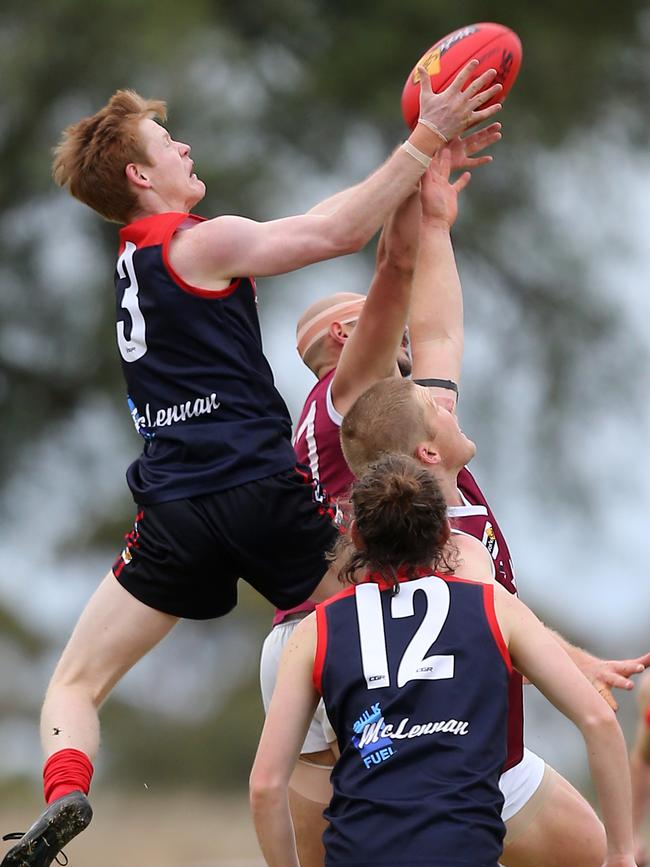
458	60
456	109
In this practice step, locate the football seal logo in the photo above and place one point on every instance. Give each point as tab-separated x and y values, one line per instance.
490	541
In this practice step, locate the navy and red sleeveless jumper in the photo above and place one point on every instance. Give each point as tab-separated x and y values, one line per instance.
201	391
416	688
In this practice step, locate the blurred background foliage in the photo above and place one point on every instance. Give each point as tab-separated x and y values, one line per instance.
282	100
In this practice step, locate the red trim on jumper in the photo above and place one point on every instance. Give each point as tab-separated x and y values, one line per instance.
321	648
151	231
647	715
158	229
188	287
321	634
347	591
490	613
421	572
386	584
66	771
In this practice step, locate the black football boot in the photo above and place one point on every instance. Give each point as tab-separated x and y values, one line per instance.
41	845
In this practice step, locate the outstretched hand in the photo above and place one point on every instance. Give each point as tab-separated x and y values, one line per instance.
438	195
459	106
609	674
462	150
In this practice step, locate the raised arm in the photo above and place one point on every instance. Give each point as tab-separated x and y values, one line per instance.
287	721
640	769
436	323
233	246
370	352
538	656
436	319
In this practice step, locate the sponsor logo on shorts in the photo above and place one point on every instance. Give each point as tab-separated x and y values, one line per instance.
126	555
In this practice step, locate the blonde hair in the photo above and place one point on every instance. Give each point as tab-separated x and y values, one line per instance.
387	419
93	153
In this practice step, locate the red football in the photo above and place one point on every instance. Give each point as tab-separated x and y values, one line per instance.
495	46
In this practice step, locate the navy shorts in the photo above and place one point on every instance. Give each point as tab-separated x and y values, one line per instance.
185	557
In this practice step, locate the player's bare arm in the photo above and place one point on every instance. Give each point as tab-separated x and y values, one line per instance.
230	246
291	710
466	153
436	320
538	655
370	352
640	769
604	674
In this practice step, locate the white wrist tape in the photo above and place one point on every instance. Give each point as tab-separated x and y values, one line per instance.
433	129
412	151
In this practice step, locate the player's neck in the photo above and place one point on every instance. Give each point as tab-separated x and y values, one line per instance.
324	370
150	204
448	481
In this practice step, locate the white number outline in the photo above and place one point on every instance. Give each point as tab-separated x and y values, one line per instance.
307	428
135	347
414	665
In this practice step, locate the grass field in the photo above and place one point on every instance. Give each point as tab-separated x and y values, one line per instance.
184	830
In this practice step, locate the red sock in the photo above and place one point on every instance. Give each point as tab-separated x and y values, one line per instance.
64	772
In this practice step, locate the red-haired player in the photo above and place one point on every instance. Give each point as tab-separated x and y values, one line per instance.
217	457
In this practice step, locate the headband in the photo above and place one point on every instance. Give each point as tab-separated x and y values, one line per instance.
318	325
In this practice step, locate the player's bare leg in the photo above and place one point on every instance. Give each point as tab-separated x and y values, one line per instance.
564	832
114	631
310	792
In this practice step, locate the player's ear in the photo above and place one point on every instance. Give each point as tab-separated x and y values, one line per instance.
426	454
136	176
339	332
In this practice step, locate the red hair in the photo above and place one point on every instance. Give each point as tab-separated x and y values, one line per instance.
93	153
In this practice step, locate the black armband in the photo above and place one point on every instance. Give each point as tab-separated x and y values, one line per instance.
438	383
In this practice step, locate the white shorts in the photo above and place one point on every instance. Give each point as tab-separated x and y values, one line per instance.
320	734
520	783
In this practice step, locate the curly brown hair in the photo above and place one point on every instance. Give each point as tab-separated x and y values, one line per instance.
401	521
